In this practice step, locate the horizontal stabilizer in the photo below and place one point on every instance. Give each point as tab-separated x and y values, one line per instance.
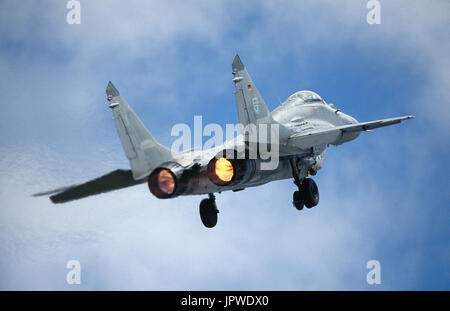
115	180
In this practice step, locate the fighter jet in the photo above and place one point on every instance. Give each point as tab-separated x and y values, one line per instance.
303	127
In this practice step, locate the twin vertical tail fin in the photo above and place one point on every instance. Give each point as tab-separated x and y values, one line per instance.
250	105
145	153
141	149
252	109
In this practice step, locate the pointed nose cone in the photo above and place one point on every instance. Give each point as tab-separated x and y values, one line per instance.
237	64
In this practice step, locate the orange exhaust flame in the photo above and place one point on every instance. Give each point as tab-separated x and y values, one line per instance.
220	171
166	182
224	170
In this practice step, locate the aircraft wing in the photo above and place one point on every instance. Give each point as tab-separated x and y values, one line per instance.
114	180
334	135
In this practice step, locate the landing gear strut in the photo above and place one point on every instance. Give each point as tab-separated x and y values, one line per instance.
307	193
209	211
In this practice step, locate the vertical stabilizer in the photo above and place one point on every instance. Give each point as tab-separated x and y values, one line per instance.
250	105
141	149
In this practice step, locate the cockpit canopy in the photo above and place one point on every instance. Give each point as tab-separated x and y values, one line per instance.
304	97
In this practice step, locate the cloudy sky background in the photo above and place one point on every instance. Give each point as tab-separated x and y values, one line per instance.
384	196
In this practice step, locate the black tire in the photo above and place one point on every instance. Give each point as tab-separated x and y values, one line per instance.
208	213
297	200
310	192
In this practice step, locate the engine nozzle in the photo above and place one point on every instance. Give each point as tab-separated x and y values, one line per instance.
220	171
167	180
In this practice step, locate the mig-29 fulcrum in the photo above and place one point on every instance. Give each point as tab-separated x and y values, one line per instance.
306	125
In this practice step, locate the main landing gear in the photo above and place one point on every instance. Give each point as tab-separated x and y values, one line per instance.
307	193
209	211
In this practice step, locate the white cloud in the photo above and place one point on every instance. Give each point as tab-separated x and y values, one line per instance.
415	30
150	33
130	240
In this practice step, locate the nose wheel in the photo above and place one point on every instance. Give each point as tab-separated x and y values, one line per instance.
209	211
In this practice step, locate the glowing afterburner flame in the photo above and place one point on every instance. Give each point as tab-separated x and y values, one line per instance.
224	170
166	182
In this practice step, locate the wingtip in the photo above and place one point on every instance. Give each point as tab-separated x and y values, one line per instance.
111	90
237	63
54	200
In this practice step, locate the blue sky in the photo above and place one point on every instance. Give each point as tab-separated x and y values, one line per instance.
383	196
